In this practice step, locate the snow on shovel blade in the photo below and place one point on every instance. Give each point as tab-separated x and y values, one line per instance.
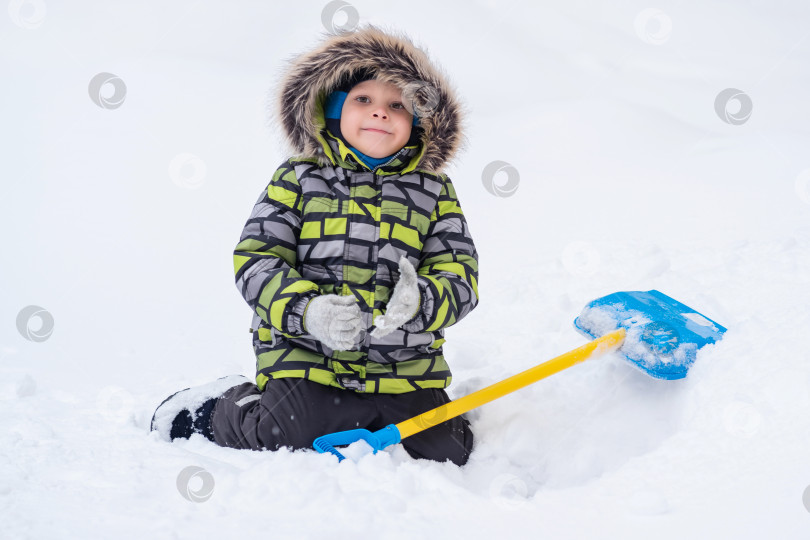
663	335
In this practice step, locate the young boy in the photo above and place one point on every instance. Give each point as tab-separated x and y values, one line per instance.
355	259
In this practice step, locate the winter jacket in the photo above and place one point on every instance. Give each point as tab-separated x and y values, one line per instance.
327	224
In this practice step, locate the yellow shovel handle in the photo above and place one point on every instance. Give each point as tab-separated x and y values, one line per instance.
450	410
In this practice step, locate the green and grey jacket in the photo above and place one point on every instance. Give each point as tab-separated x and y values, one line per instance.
327	224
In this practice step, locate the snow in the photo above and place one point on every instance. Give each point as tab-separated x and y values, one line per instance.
120	223
600	320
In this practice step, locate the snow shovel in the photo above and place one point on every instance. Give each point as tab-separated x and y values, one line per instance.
656	333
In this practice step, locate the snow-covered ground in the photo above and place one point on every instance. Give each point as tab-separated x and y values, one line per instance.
120	224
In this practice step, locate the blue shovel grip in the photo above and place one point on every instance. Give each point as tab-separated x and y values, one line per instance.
378	440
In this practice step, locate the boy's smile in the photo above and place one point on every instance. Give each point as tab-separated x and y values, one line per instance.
374	120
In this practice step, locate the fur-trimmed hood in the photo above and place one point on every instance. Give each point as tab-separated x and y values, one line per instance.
311	76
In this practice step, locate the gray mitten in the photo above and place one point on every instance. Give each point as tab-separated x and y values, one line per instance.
403	304
334	320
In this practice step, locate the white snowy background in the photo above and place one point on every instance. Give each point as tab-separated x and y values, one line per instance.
120	224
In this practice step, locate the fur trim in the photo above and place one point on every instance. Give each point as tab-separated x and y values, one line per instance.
312	75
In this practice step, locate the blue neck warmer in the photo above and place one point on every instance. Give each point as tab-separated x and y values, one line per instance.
332	110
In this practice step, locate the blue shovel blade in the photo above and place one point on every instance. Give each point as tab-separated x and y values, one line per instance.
663	335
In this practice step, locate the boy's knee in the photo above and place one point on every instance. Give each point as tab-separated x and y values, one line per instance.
451	441
230	420
465	446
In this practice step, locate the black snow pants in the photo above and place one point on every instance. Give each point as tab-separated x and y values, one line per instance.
293	412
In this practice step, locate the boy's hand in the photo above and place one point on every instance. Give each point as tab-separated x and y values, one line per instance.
404	303
334	320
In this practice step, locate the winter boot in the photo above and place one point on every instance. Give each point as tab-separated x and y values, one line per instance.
189	411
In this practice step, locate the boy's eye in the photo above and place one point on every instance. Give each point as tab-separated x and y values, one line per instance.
396	104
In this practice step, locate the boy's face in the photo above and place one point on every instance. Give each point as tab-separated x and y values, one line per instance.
374	119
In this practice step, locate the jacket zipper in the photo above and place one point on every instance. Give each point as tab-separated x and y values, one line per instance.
395	156
378	203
